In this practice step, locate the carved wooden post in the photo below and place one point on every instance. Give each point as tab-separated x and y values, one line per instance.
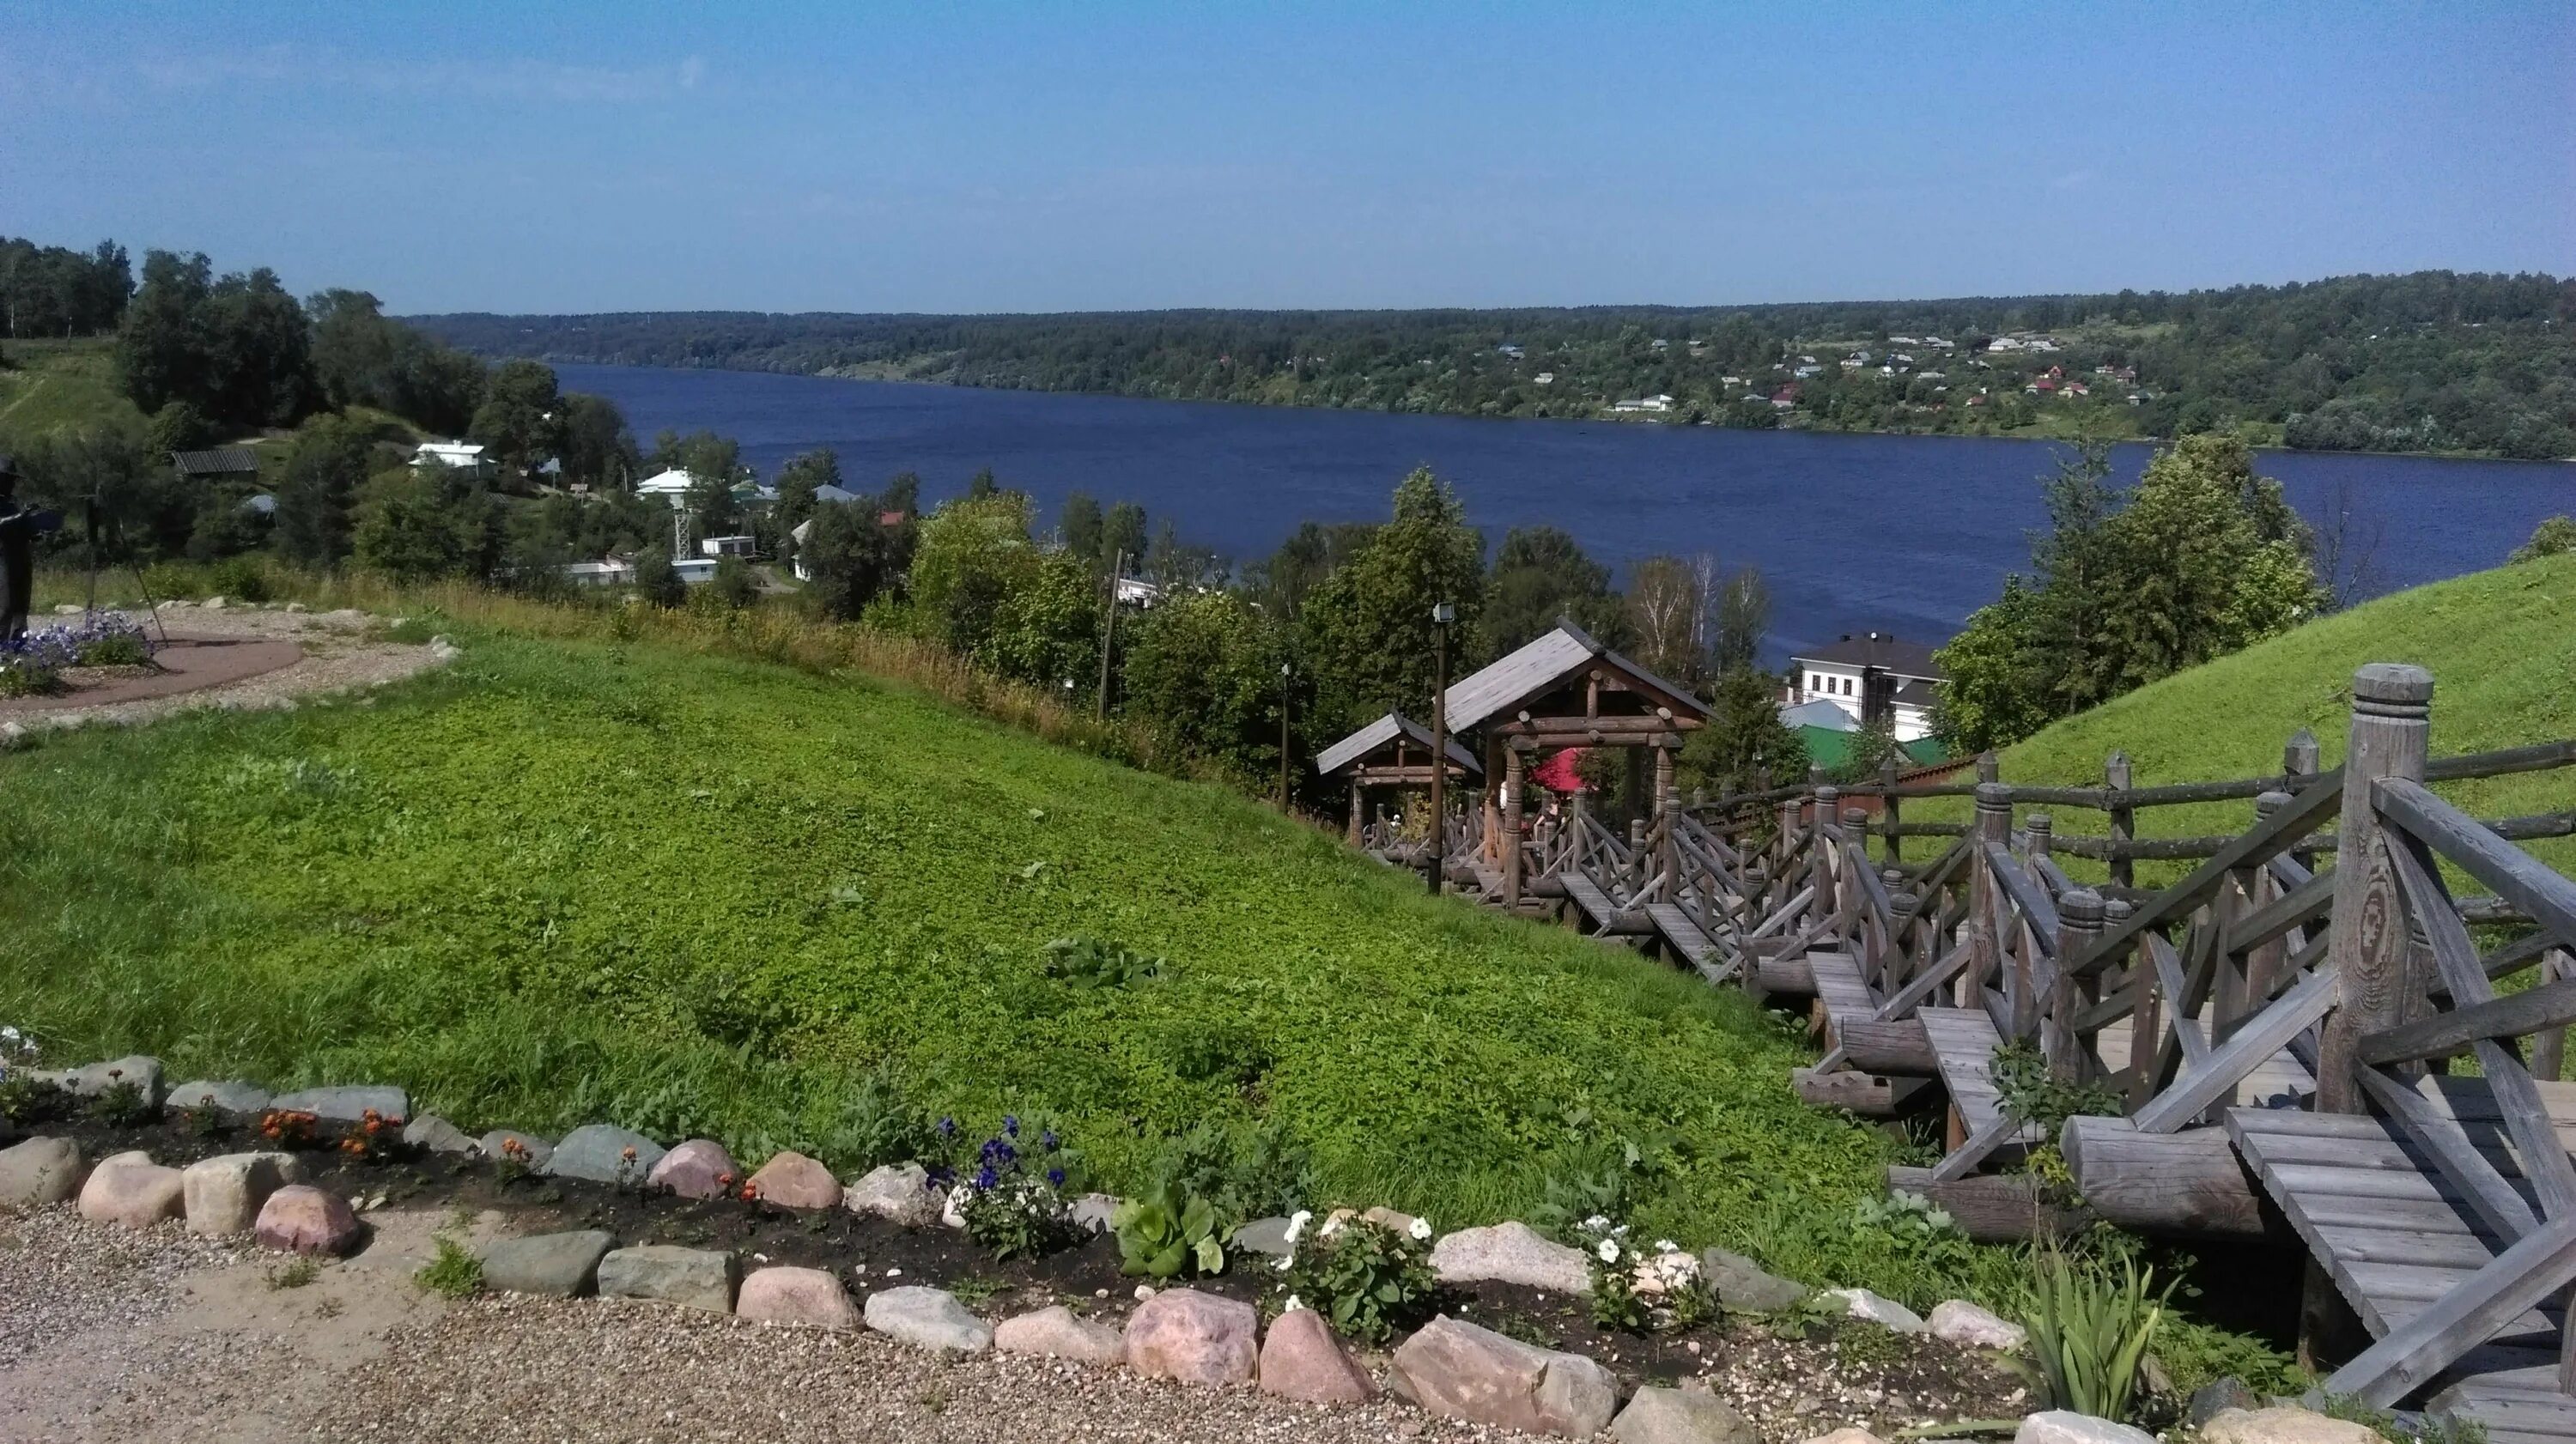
1993	824
1359	805
1822	828
1512	789
2298	769
1896	964
2039	831
2391	734
2124	820
2079	927
1990	768
1888	811
1667	802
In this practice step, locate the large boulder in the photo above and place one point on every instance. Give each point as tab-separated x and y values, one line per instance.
898	1193
1267	1237
300	1218
38	1173
604	1153
691	1277
350	1104
2065	1426
1055	1333
235	1100
1680	1416
1461	1371
698	1168
1887	1313
1302	1360
557	1265
2287	1425
1194	1337
224	1194
792	1180
1510	1253
129	1188
1741	1284
2218	1396
1961	1322
927	1318
139	1069
433	1134
786	1295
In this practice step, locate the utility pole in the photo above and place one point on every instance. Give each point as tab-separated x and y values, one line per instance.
1441	616
1283	739
1109	631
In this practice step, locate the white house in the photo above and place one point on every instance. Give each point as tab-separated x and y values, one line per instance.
727	546
1657	402
695	571
611	572
470	456
1545	378
1861	673
673	485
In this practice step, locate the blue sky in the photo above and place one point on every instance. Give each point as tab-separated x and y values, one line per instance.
603	156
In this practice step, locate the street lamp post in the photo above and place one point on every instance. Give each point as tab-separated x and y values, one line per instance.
1441	616
1283	739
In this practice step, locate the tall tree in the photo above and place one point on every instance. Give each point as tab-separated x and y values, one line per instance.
1122	534
522	417
1080	524
796	483
332	458
1369	637
848	557
1540	574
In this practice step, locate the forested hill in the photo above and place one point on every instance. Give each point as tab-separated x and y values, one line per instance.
2433	361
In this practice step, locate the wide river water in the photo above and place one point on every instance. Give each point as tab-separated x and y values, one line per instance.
1901	534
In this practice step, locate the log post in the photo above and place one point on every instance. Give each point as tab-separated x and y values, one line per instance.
1359	805
1668	801
2368	947
2079	927
1822	828
2264	964
1993	824
2039	830
1896	960
2298	769
1990	768
1888	810
1512	789
2124	820
2549	1048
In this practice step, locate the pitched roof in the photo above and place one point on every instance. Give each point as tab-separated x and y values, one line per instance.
1545	663
1381	732
828	492
219	461
1877	649
1823	713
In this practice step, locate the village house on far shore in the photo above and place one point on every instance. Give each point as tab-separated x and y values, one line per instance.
1864	678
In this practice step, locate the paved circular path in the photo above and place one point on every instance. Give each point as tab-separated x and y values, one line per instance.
188	664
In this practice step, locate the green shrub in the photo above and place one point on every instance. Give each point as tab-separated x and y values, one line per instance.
1167	1233
240	579
456	1273
2091	1324
1090	963
1244	1172
124	1104
1367	1280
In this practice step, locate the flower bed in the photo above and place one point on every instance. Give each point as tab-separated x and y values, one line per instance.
33	665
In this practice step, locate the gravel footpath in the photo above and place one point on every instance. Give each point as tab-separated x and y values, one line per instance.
340	655
61	1277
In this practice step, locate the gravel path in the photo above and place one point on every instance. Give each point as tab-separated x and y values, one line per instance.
341	653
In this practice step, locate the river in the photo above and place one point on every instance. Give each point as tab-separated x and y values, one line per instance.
1902	534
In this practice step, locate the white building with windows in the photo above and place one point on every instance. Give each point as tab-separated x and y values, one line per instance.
1858	674
467	456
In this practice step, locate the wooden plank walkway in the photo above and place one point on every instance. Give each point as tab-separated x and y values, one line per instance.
1963	1047
1595	904
2396	1237
1686	940
2274	1079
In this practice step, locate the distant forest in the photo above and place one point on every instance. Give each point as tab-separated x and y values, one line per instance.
2432	361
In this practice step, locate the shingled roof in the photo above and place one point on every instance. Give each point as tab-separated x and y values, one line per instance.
1544	665
218	461
1381	732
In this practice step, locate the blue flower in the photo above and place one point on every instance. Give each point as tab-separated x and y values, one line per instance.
986	1178
1056	1176
1011	1124
1047	1140
947	1127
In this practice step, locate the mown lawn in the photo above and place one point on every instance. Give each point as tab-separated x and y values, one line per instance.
2501	646
570	881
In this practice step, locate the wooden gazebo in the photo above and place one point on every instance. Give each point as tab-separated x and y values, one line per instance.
1393	751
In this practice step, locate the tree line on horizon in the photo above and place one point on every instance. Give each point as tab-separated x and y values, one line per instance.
2427	361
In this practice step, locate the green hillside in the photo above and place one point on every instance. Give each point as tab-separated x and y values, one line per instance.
2501	646
46	385
566	881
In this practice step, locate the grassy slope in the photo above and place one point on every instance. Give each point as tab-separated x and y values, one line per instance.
577	880
2501	645
53	384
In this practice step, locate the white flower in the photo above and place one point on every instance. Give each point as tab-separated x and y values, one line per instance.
1331	1226
1285	1262
1597	1222
1421	1228
1665	1245
1609	1251
1297	1225
1294	1303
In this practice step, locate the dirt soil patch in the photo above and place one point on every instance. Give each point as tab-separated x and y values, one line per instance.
227	657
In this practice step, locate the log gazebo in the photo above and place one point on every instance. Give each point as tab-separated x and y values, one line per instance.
1393	751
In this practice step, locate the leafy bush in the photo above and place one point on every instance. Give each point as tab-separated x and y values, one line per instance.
1247	1172
1166	1233
1367	1280
124	1104
1638	1290
1090	963
2090	1328
2551	538
1009	1208
241	579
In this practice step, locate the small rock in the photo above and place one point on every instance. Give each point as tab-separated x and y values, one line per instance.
1885	1312
1848	1434
1091	1212
557	1265
1676	1416
2220	1395
1511	1253
434	1134
39	1173
224	1194
1962	1322
1461	1371
533	1151
898	1193
2289	1425
1741	1285
1265	1236
792	1180
787	1295
1055	1333
1144	1292
604	1153
141	1070
300	1218
1302	1360
691	1277
2065	1426
1193	1337
213	604
927	1318
225	1100
347	1104
129	1188
698	1168
67	609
